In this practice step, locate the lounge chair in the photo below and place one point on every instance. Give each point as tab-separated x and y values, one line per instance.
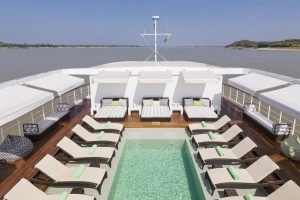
96	126
78	153
26	190
251	177
90	177
220	139
290	190
108	139
216	126
211	156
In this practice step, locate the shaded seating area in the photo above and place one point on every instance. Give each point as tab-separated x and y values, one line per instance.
101	138
211	126
114	109
65	176
15	148
24	189
196	109
156	109
251	177
94	126
218	155
290	190
37	131
217	139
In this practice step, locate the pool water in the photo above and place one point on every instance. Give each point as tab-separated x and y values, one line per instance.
156	169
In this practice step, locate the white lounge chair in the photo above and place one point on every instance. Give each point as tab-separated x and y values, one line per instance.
220	139
251	177
215	126
96	126
108	139
64	176
210	156
78	153
290	190
26	190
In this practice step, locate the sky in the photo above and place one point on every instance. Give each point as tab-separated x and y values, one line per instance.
120	22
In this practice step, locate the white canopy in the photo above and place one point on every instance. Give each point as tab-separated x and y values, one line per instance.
285	99
199	77
60	83
112	77
18	100
155	77
254	83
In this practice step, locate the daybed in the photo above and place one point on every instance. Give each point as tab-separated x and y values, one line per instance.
276	131
113	109
156	109
36	131
195	109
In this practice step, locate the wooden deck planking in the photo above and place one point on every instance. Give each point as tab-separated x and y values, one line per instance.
12	173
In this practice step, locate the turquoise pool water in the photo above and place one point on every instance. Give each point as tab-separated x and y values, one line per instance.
156	169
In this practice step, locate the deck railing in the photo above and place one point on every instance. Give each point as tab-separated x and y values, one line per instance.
15	127
241	98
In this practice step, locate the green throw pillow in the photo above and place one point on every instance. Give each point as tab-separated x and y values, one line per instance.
197	103
114	103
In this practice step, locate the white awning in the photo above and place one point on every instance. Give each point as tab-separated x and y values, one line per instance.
254	83
155	77
60	83
199	77
112	77
286	99
18	100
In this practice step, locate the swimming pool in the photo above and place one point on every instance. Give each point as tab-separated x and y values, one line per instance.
156	169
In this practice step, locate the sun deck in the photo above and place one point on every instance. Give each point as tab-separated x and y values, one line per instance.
11	173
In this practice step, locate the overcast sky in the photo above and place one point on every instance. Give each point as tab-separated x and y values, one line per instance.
191	22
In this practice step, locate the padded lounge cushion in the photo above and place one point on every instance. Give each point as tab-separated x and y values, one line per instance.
200	112
112	112
155	112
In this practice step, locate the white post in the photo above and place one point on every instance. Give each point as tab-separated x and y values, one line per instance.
244	98
269	110
230	92
280	116
19	127
237	95
155	18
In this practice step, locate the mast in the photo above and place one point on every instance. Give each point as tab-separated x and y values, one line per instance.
155	50
155	18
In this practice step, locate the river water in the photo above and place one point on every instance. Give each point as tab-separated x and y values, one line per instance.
17	63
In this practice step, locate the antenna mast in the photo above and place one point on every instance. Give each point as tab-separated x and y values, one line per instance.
155	51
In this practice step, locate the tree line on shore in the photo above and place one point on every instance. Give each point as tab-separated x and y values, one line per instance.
10	45
291	43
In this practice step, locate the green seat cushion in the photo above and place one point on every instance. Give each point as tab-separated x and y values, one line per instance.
204	125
